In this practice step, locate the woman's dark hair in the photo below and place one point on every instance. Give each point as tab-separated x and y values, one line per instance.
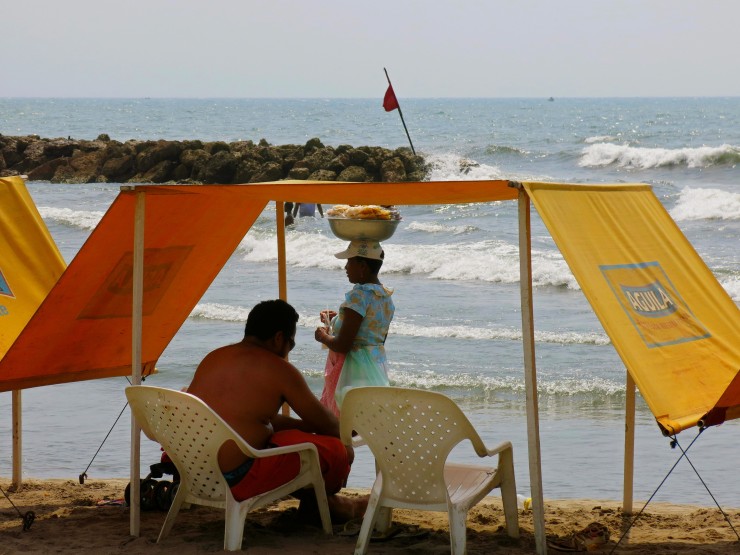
269	317
372	263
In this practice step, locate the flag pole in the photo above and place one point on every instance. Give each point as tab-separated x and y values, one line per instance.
400	113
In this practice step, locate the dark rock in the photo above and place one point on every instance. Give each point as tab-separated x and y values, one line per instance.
323	175
181	173
193	158
160	172
338	163
46	171
57	148
354	173
393	170
245	169
86	166
219	168
118	169
271	171
216	147
357	157
299	173
312	145
106	160
156	153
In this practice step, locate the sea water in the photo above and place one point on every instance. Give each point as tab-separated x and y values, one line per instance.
454	269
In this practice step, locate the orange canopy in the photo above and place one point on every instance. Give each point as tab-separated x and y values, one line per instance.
83	329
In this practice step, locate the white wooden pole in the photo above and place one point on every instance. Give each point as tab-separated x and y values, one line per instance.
17	440
282	273
136	325
629	445
530	373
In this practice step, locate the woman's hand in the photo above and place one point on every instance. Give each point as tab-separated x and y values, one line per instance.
322	335
326	316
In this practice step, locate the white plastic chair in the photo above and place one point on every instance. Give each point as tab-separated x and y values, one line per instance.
411	433
191	434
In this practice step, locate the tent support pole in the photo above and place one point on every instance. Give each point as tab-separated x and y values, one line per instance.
17	441
280	222
530	372
136	332
629	445
282	274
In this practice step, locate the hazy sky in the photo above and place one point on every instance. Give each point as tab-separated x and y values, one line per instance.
338	48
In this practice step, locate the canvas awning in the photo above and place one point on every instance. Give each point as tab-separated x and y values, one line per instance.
83	328
674	326
30	262
158	247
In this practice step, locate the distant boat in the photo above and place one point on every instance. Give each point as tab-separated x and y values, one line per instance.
551	99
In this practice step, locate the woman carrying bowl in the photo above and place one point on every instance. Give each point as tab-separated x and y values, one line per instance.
356	334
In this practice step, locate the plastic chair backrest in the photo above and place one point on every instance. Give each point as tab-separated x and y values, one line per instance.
190	433
410	433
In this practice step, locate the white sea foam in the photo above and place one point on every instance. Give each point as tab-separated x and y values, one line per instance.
452	167
606	154
704	204
401	327
228	313
489	260
85	219
600	139
732	286
222	312
475	383
433	227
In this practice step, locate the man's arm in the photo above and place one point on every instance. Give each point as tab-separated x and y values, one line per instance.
314	417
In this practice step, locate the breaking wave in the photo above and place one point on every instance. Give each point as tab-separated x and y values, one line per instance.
706	204
603	154
83	219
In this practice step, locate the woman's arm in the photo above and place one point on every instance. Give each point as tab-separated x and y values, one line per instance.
341	343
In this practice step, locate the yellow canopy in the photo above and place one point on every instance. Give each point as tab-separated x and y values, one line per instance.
30	263
674	326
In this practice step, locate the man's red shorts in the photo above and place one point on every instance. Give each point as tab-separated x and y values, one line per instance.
270	472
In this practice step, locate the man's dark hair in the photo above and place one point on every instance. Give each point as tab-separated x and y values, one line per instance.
269	317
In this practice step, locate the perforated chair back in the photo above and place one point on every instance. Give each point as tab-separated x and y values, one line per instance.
191	434
411	433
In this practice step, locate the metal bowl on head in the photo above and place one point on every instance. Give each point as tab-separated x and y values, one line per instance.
373	230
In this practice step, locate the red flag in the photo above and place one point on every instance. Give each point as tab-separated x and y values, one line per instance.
389	101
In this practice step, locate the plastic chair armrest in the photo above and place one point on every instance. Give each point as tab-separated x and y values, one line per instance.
272	451
503	446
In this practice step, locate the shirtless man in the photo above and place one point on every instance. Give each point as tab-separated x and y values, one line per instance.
246	384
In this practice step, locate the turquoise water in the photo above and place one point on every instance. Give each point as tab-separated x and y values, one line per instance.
457	325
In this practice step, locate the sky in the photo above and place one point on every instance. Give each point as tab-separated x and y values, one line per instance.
338	48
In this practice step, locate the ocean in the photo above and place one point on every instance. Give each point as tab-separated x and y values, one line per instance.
457	324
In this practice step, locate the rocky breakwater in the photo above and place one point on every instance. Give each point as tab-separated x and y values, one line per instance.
108	161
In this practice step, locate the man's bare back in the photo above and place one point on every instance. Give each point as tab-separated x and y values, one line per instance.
246	384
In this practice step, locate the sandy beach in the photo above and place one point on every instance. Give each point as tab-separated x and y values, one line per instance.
89	519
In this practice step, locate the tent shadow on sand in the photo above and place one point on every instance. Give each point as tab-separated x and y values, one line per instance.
70	519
